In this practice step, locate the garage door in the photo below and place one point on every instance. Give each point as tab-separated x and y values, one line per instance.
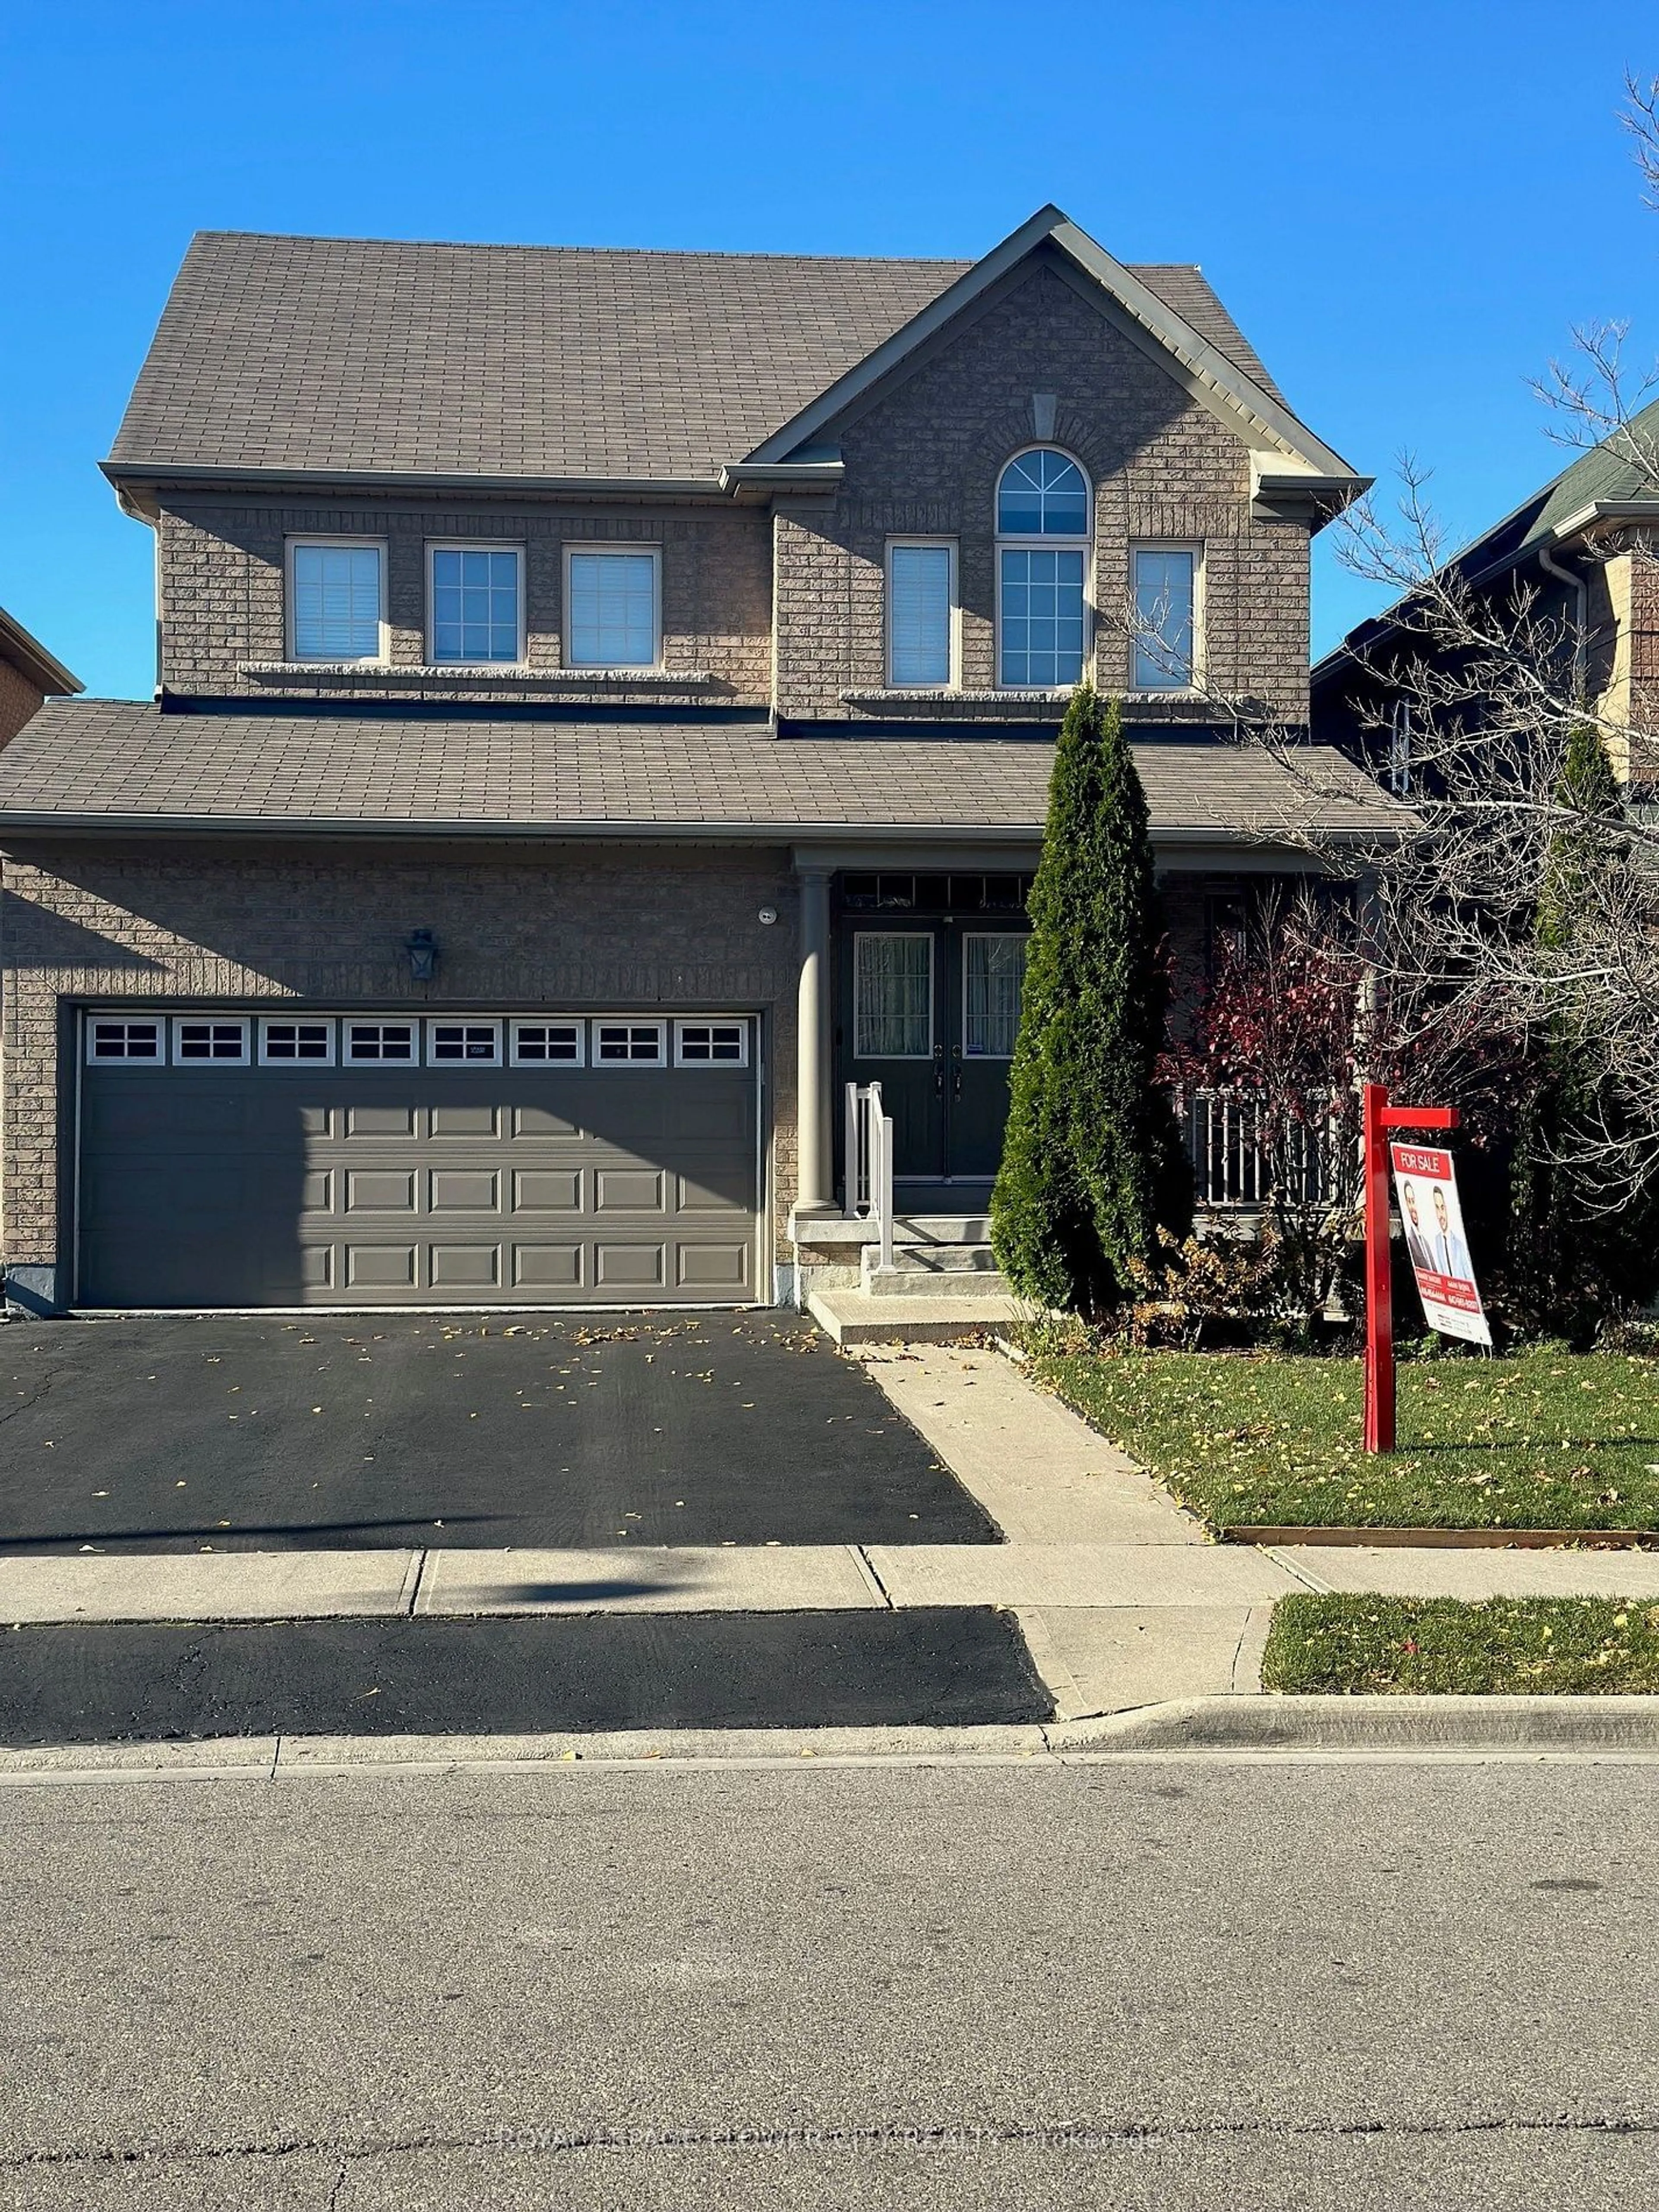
376	1159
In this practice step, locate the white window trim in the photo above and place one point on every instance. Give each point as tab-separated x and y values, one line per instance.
739	1021
953	679
291	544
381	1021
913	1058
1012	543
306	1020
993	1059
160	1022
633	1022
577	1022
179	1022
612	548
476	546
435	1022
1195	547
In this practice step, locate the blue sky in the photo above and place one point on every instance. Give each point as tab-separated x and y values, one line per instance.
1407	206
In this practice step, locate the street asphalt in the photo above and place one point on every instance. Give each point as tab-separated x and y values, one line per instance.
1185	1984
159	1682
185	1434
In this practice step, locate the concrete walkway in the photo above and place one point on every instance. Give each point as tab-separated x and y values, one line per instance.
1122	1602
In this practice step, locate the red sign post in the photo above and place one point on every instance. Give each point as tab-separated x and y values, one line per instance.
1379	1117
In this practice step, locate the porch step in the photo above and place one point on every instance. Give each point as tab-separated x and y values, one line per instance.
935	1260
969	1273
854	1317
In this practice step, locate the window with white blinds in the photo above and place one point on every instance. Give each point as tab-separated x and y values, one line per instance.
920	610
336	600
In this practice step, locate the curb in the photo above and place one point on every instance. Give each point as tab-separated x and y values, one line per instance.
1217	1728
1536	1725
1269	1533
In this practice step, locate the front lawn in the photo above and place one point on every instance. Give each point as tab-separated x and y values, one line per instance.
1543	1439
1361	1646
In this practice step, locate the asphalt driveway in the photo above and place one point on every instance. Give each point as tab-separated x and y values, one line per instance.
184	1434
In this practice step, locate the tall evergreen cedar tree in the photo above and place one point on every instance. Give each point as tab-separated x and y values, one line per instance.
1572	1260
1091	1163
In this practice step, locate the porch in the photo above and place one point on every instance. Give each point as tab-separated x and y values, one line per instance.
911	968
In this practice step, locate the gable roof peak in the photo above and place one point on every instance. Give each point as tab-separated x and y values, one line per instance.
1285	454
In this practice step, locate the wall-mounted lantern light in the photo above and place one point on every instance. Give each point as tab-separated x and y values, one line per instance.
422	947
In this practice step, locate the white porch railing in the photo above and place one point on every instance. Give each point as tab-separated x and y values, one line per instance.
869	1165
1234	1163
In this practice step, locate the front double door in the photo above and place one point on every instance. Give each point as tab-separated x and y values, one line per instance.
930	1010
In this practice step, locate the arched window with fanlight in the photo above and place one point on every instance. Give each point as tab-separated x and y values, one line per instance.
1042	567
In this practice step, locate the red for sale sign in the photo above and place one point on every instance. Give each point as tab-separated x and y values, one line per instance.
1426	1184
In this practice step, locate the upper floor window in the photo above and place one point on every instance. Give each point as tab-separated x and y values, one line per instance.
337	599
921	612
1165	589
1400	749
612	602
1042	554
476	597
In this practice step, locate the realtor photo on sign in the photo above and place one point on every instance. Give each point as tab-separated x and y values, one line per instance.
1427	1183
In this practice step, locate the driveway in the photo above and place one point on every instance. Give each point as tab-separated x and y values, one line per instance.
185	1434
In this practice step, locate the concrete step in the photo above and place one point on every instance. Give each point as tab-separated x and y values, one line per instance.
897	1282
932	1260
941	1229
854	1317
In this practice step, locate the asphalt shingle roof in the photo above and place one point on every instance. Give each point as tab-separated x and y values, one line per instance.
365	355
107	760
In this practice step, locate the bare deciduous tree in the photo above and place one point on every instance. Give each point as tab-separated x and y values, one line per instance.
1494	674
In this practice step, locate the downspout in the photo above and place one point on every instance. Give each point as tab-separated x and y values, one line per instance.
1578	584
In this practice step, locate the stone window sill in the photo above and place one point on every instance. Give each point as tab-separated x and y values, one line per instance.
403	674
952	702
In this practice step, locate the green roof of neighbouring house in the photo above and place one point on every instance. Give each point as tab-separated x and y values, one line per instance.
1606	475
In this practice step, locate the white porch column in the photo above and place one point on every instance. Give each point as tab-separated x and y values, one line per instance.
813	1191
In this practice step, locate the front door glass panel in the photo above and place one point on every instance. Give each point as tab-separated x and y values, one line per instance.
892	995
992	971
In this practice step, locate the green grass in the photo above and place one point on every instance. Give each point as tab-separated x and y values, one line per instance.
1544	1439
1349	1646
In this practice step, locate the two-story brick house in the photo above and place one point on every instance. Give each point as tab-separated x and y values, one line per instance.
605	703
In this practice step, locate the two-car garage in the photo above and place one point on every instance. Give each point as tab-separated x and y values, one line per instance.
314	1158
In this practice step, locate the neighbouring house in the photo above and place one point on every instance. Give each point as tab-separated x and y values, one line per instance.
1582	553
606	702
28	676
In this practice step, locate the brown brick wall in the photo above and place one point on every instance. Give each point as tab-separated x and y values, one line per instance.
601	931
223	591
19	701
1643	705
924	459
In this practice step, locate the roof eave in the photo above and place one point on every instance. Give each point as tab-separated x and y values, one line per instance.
31	823
30	658
1604	510
765	479
134	479
1317	497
